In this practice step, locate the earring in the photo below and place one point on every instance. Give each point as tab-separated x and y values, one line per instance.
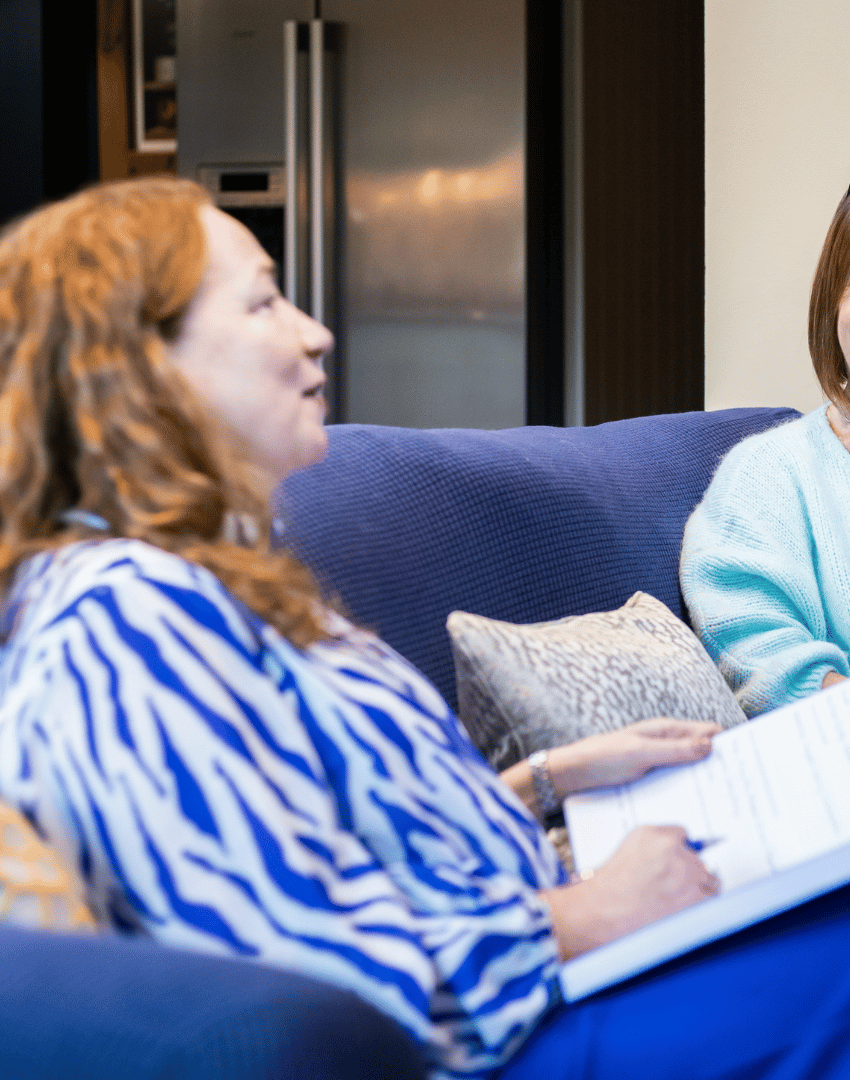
240	529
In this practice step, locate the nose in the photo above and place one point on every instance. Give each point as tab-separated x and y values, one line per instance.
316	339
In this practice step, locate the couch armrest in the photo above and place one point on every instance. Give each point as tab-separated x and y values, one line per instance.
118	1009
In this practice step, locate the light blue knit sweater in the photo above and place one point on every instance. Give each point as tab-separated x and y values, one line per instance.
765	566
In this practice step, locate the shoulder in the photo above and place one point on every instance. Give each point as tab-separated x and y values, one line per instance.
785	439
763	492
779	458
128	582
765	476
83	564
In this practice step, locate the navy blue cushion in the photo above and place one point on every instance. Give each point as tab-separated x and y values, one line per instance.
523	525
86	1008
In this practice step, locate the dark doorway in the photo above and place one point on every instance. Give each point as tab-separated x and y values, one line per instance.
643	161
48	101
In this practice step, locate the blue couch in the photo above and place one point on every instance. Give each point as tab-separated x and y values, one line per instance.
404	526
523	525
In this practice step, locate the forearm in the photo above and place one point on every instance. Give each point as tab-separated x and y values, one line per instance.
569	768
771	645
614	757
754	593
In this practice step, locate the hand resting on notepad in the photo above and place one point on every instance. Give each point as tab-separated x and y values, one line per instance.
654	872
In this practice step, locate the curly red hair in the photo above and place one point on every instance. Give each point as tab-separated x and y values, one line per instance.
92	414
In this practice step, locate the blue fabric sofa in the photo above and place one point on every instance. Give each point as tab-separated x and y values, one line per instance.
404	526
523	525
74	1007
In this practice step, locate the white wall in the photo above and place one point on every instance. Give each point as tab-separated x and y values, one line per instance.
777	87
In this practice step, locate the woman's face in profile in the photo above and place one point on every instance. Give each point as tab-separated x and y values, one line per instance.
252	356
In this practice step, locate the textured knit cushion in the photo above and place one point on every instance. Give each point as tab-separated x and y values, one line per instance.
522	525
36	889
526	688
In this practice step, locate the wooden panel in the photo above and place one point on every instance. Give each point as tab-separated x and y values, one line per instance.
643	144
112	56
148	163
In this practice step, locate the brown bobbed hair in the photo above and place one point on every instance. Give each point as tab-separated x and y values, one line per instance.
832	278
92	414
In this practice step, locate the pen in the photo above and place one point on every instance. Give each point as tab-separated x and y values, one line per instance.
701	845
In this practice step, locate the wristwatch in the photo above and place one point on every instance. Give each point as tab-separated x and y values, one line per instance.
547	801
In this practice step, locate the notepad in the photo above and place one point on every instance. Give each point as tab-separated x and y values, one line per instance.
776	789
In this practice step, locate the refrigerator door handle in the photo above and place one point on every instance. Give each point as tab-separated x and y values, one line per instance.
317	170
290	121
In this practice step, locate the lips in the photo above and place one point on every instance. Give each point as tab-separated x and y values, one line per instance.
314	391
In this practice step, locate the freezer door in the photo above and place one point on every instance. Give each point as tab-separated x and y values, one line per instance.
230	80
433	257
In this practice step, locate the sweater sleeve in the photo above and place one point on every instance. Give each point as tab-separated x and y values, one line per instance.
143	729
750	580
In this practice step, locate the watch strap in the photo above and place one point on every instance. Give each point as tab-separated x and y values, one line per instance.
547	801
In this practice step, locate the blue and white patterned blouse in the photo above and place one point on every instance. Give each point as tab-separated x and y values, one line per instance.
319	810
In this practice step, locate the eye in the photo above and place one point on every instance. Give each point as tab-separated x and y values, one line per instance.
267	302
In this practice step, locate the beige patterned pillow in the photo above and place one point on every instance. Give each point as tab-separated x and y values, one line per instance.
525	688
36	889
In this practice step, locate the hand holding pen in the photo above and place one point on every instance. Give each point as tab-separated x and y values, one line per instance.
694	845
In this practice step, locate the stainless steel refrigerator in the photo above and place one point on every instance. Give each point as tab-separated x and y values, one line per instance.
377	152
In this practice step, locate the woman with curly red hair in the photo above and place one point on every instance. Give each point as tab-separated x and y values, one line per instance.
94	416
236	768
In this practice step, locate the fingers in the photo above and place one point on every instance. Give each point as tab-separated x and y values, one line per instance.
651	874
710	884
668	742
704	881
676	833
615	757
673	751
668	727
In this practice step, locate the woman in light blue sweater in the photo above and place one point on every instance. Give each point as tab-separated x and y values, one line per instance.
765	564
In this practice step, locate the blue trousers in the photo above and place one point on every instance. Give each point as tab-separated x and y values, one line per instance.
769	1003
